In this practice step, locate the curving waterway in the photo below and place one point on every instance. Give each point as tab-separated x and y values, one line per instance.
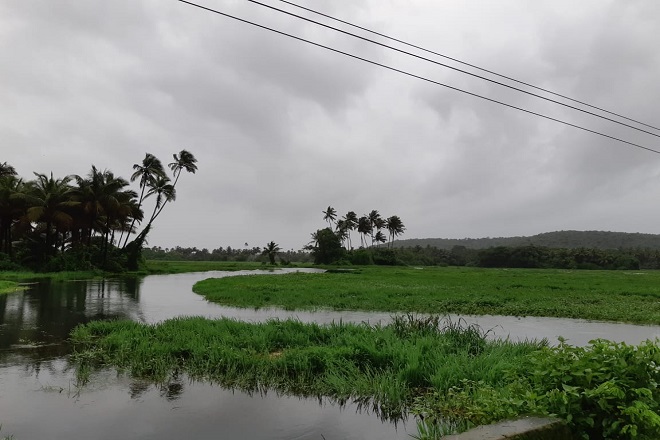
39	398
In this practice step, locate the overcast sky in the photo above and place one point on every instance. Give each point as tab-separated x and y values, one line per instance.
282	129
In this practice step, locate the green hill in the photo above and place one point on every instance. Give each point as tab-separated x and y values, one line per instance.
558	239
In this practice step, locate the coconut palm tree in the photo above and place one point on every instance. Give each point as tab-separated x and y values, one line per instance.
50	204
364	229
350	222
342	231
12	208
271	249
375	222
164	191
7	170
330	215
395	227
380	237
147	172
183	161
100	195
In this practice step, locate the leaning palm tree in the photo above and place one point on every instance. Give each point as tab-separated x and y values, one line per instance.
147	172
395	227
330	215
164	191
271	249
183	161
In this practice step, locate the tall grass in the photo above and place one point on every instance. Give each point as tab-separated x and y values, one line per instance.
8	287
600	295
450	375
382	367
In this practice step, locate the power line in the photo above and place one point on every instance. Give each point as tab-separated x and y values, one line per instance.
418	76
452	67
466	63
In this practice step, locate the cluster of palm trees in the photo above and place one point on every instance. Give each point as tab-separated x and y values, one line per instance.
370	227
49	215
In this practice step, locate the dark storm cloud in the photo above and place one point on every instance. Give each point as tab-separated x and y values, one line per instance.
282	129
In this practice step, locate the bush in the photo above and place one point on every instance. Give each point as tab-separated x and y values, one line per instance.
360	257
606	390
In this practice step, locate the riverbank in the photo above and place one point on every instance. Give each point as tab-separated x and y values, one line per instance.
151	267
451	376
8	287
619	296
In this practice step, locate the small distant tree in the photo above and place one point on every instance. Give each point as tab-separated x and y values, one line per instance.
271	250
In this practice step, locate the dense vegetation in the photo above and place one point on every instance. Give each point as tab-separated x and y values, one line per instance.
82	222
610	296
557	239
530	256
452	375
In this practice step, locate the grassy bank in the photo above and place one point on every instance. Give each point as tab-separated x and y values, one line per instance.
383	367
151	267
28	275
171	267
8	287
452	377
600	295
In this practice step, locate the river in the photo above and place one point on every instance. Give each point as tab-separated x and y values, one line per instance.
39	397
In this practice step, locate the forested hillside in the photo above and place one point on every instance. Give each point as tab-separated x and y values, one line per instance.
558	239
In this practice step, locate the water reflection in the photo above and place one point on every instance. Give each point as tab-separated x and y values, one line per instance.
40	398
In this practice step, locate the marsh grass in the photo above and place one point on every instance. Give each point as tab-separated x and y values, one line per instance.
8	287
379	367
598	295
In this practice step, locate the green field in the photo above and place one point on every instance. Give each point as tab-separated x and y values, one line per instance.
599	295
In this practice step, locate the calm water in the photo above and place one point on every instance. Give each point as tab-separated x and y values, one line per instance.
39	398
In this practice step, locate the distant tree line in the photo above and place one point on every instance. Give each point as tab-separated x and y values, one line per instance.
531	256
558	239
228	254
83	222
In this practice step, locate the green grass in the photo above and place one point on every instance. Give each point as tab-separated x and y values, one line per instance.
27	275
8	287
447	374
599	295
383	368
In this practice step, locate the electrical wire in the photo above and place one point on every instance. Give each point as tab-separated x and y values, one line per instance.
242	20
452	67
466	63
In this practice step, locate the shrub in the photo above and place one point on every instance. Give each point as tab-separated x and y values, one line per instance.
605	390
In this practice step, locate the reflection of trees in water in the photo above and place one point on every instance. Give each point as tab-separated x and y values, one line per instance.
137	388
170	390
35	323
